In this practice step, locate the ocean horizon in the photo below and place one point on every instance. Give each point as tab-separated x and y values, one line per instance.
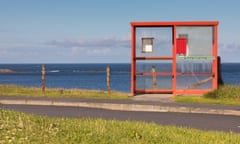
87	75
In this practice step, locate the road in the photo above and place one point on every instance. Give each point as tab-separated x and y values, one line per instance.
199	121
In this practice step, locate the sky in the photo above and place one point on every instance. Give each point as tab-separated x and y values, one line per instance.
98	31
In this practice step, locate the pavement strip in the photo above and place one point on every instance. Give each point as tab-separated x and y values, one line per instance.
126	107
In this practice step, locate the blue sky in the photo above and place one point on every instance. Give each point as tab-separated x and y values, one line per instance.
98	31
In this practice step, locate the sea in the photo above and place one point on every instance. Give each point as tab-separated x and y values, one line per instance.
87	76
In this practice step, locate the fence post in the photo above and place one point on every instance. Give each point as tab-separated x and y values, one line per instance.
154	75
108	79
43	79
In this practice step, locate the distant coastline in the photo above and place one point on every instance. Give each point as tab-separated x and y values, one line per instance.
6	71
89	76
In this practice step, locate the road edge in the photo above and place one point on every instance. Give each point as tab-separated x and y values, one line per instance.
125	107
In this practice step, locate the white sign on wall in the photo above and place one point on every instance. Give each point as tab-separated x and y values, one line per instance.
147	45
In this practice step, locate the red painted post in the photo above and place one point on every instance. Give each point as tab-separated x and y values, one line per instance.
174	61
133	63
216	55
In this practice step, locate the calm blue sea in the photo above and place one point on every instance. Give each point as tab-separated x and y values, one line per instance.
87	76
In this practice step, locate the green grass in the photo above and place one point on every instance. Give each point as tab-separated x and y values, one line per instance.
10	90
204	100
231	92
225	95
18	127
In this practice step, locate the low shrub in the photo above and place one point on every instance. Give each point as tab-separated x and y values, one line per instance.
225	92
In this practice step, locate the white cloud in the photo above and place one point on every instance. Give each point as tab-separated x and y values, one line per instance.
80	51
75	51
106	48
96	50
101	50
104	51
100	43
230	47
229	52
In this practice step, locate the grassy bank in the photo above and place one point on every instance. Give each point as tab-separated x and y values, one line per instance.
9	90
17	127
225	95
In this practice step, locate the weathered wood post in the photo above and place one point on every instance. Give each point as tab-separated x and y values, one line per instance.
108	79
154	75
43	79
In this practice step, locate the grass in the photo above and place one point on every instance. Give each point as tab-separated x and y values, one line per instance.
16	127
225	95
231	92
10	90
204	100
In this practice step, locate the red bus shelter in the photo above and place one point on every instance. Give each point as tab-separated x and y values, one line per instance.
174	57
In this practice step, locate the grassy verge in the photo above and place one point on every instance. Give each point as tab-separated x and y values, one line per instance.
17	127
9	90
204	100
225	95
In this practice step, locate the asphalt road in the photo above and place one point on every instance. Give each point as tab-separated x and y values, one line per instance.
199	121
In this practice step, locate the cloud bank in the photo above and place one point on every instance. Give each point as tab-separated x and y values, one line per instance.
94	50
100	43
230	47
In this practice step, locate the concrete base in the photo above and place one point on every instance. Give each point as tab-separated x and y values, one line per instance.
153	97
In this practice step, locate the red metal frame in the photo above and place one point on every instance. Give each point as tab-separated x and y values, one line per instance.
173	25
133	64
174	66
215	54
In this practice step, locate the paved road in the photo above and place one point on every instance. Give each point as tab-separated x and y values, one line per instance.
199	121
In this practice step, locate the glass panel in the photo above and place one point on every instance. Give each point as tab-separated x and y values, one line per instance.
194	40
161	41
194	74
153	74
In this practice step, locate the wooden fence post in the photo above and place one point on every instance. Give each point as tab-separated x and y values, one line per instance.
43	79
108	79
154	75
